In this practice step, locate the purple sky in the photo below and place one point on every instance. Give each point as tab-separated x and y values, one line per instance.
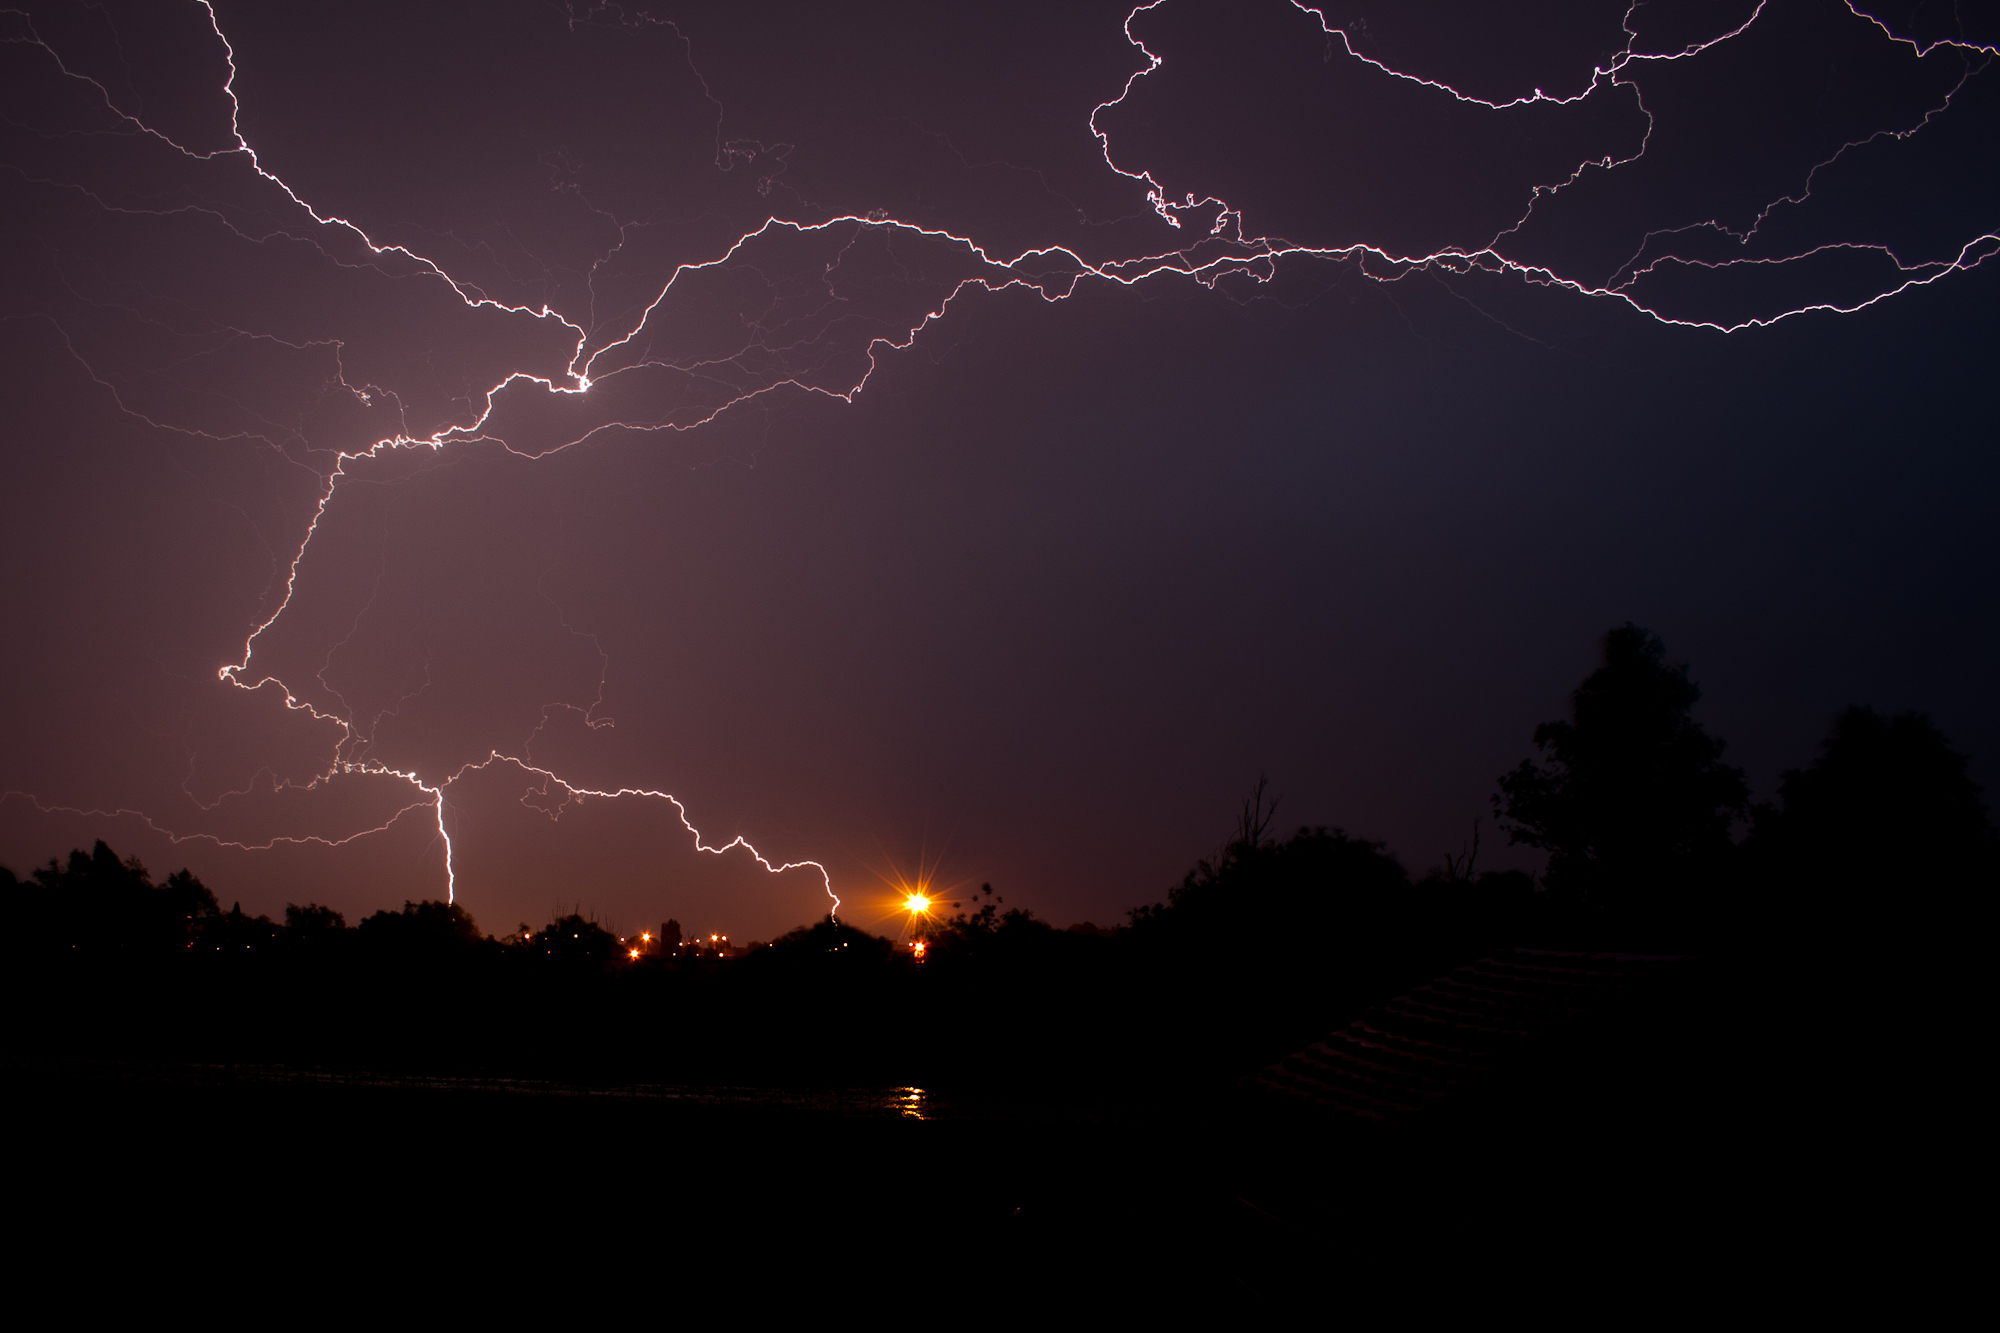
986	465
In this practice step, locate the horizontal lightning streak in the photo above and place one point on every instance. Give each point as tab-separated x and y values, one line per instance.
1055	272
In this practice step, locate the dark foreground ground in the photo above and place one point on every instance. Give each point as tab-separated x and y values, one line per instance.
1698	1160
337	1190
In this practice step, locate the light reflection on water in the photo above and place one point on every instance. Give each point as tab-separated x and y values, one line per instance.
909	1102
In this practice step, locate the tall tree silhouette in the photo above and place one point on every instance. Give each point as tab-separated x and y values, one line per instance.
1631	801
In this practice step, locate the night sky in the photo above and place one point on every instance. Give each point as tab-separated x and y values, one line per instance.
922	440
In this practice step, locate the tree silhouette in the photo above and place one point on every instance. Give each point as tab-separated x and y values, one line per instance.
1632	800
420	930
1885	830
98	902
312	918
577	941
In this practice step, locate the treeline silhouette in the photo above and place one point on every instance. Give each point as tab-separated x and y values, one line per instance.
1862	880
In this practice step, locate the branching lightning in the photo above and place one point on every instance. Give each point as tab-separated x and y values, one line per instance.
1228	249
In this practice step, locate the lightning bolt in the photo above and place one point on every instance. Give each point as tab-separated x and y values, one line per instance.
731	378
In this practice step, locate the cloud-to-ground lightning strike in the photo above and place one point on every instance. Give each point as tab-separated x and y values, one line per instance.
1229	249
